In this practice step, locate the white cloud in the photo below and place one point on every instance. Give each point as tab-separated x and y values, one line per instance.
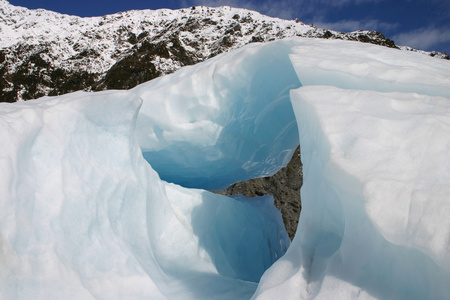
286	9
282	9
424	38
352	25
346	2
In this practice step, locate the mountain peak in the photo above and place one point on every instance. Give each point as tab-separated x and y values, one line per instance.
4	3
6	6
48	53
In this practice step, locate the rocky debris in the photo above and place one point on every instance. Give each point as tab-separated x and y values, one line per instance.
441	55
371	37
284	186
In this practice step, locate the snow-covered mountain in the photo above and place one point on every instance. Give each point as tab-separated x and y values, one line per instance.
47	53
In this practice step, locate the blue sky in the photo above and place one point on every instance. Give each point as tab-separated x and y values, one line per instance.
422	24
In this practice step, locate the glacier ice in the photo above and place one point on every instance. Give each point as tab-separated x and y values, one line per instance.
87	212
376	165
83	215
376	170
234	123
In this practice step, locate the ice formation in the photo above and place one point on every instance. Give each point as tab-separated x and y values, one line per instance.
85	215
223	121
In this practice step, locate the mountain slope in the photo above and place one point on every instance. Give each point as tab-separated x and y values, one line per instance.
47	53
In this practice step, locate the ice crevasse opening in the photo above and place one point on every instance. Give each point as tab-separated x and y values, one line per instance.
87	210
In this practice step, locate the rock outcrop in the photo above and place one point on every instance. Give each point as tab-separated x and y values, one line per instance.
284	186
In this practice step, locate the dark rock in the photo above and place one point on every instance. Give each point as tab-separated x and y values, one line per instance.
284	186
142	35
64	82
132	39
375	37
327	34
130	72
257	39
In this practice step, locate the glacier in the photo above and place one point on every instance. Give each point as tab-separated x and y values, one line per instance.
102	195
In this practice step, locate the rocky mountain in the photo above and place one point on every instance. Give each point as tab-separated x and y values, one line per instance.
47	53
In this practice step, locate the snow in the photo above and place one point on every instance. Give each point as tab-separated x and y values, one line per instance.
61	39
87	210
370	68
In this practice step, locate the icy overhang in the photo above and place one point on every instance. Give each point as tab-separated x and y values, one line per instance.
225	120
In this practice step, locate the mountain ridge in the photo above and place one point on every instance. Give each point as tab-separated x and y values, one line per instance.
48	53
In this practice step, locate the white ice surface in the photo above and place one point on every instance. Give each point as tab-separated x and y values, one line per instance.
369	67
377	168
84	216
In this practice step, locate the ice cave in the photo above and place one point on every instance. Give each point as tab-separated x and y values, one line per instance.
104	195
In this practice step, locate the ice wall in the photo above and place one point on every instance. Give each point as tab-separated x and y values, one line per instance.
374	219
84	216
376	170
71	194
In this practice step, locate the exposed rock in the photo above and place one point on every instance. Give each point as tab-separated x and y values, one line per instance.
284	186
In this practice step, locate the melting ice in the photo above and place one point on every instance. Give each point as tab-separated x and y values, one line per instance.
87	210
